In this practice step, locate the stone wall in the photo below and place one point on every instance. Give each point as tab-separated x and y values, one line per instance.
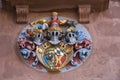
46	5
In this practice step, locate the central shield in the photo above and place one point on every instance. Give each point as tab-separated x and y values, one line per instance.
54	57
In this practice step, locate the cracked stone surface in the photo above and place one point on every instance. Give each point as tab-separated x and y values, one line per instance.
103	64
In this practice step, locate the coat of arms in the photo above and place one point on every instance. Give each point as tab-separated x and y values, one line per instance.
54	44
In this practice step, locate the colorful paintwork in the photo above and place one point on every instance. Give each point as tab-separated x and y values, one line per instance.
54	44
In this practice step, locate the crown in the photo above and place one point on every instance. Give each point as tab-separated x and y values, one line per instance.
35	31
56	28
70	29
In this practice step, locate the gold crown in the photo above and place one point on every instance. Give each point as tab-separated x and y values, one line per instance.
52	29
35	31
54	13
70	29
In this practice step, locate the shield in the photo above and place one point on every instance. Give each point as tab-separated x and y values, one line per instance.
54	57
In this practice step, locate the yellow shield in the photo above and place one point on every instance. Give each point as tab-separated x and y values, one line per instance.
54	57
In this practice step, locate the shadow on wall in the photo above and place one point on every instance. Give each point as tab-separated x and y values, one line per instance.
114	0
0	4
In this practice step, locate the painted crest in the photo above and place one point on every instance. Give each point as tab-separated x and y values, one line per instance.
54	44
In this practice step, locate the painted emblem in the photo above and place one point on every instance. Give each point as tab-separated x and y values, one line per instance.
54	44
54	57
